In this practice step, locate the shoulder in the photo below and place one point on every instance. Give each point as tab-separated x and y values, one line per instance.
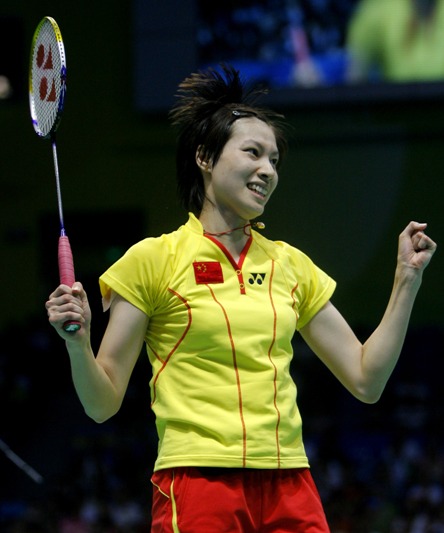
282	251
298	268
155	258
165	243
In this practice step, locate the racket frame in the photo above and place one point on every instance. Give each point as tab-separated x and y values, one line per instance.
62	77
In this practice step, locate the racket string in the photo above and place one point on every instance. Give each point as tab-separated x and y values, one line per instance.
47	79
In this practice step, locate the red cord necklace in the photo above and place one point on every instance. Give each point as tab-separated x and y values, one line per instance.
258	225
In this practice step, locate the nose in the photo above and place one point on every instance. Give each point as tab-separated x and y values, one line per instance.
267	170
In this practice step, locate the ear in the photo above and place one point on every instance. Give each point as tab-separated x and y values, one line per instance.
201	160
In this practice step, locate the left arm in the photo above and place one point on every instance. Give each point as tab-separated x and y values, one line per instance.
364	369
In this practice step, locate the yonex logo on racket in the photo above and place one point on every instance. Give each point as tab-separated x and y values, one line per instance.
47	83
44	61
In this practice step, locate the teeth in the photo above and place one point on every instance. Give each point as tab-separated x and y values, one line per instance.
258	188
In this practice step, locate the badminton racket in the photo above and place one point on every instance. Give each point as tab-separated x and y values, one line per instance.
18	461
47	91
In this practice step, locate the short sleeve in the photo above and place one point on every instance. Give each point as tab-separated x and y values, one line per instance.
314	287
138	276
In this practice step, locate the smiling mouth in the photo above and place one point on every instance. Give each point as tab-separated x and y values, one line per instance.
262	191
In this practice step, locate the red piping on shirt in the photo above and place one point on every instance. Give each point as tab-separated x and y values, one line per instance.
237	266
239	390
175	346
278	449
294	300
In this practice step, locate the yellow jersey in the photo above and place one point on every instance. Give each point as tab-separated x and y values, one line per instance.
219	341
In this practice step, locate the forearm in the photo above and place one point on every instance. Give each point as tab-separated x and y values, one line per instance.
381	351
101	381
93	385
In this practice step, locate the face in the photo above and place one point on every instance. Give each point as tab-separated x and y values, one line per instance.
241	182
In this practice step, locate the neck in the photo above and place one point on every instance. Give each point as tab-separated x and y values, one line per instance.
245	228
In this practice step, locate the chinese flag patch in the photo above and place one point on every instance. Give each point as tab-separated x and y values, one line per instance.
208	272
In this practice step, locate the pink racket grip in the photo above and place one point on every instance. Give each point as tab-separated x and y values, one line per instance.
66	273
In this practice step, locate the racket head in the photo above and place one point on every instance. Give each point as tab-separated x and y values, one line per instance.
47	78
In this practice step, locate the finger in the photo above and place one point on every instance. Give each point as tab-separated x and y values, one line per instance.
421	243
77	287
63	300
425	243
413	227
60	290
416	241
58	314
61	315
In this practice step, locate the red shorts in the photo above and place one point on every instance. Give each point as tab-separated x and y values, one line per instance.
224	500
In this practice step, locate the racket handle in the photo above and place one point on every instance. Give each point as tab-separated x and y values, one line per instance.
66	273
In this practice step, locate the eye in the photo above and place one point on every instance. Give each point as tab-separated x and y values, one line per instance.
253	151
274	161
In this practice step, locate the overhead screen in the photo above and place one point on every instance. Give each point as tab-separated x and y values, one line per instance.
305	51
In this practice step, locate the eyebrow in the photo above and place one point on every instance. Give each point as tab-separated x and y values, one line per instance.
262	145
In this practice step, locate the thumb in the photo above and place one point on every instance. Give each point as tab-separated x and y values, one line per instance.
77	288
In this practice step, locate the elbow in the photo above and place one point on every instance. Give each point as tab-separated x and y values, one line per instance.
99	419
369	398
101	408
100	415
368	394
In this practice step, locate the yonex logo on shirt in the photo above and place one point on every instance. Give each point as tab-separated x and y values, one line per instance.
256	278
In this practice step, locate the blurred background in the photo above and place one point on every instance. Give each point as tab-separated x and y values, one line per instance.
362	85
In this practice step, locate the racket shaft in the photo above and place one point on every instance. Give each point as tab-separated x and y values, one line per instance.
66	263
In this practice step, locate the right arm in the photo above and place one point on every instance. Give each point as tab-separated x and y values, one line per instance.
101	381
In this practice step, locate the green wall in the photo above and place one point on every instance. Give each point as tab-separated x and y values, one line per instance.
355	176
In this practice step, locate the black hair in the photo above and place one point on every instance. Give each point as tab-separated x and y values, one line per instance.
209	102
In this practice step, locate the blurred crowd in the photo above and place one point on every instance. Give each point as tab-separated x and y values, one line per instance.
379	468
312	43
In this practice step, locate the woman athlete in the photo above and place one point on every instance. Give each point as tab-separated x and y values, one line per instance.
217	305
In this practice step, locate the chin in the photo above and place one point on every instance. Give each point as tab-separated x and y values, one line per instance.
251	212
257	212
252	216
